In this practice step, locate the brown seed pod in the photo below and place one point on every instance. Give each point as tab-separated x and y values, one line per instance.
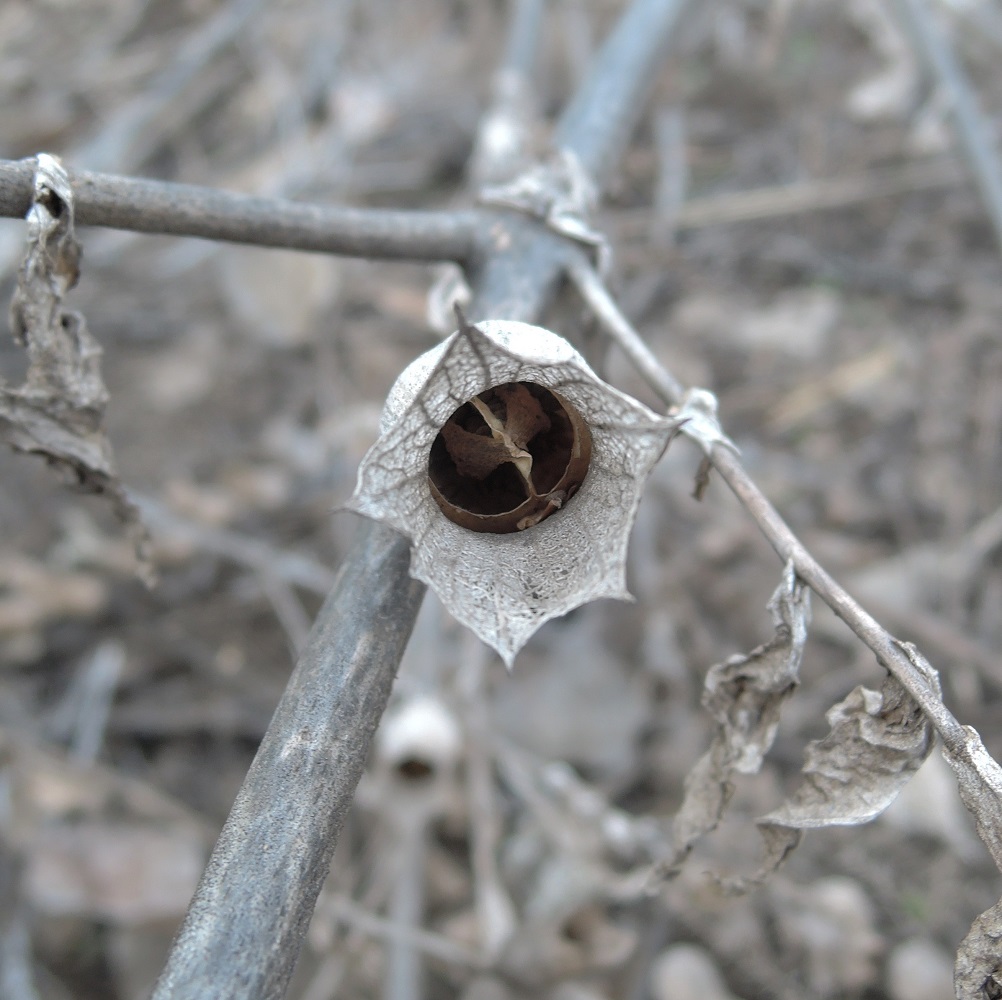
509	458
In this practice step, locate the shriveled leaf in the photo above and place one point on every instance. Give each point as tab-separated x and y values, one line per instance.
978	972
745	695
878	740
59	410
504	586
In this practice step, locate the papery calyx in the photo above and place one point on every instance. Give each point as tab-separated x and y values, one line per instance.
507	419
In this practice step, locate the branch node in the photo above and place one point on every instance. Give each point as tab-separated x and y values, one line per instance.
560	193
698	420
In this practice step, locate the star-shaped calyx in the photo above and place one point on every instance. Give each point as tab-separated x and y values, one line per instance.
516	473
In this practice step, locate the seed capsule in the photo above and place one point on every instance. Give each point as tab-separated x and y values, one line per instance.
516	472
509	458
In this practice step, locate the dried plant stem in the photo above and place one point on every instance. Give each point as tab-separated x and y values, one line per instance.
600	119
979	776
932	630
147	206
816	195
94	690
290	567
251	908
887	649
505	135
17	980
494	908
433	945
288	611
972	128
404	961
523	38
608	313
673	171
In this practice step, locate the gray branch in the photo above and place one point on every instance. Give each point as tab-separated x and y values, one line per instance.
599	121
973	129
243	931
146	206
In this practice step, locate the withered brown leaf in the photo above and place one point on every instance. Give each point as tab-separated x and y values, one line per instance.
59	410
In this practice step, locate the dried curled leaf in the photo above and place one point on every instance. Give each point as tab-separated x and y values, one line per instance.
878	740
745	695
503	586
59	411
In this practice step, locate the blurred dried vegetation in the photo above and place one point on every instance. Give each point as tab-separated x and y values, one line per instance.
857	358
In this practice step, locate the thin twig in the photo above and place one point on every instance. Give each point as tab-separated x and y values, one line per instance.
822	194
972	128
16	973
866	627
94	689
403	979
608	313
80	719
494	908
779	535
288	611
290	567
934	631
147	206
519	271
673	171
504	137
523	38
433	945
